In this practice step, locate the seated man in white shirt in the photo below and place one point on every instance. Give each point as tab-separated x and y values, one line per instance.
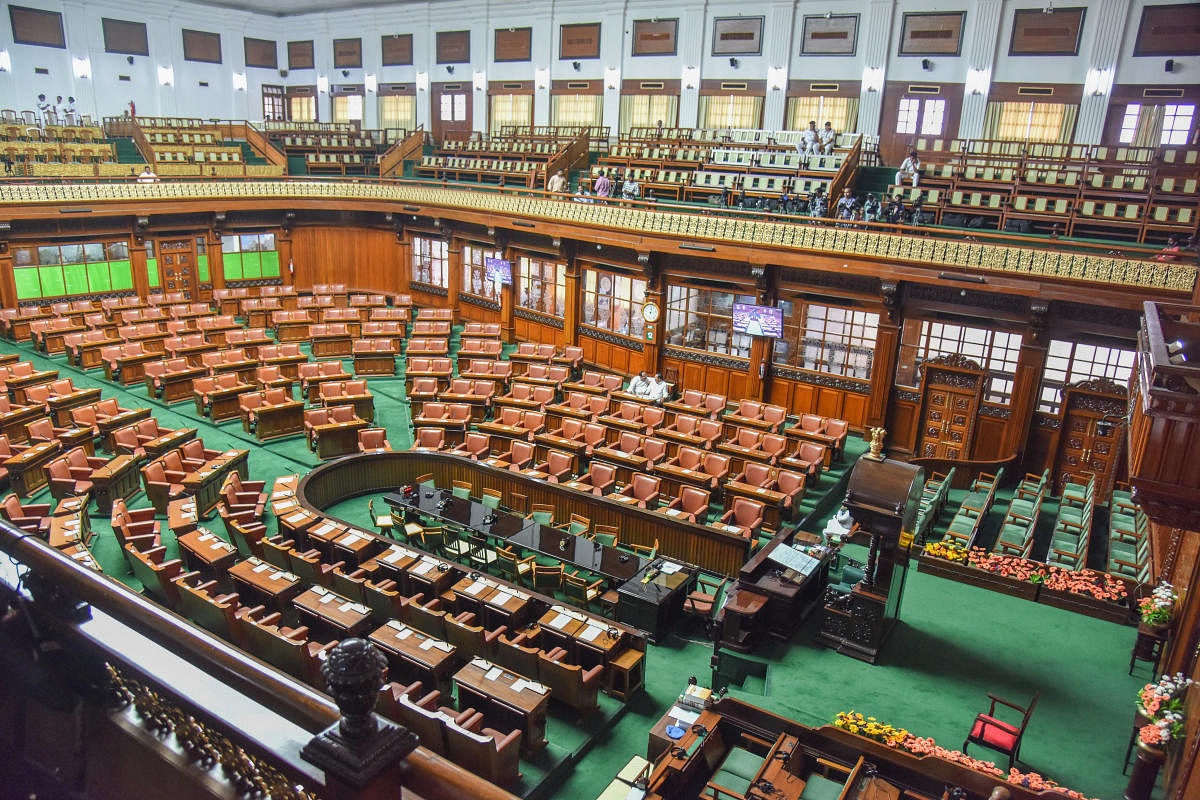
827	137
639	386
660	390
811	139
148	176
909	168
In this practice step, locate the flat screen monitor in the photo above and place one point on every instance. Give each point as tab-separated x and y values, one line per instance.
498	269
758	320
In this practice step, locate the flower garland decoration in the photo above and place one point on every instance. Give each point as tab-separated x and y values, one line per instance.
1163	703
947	550
899	738
1159	606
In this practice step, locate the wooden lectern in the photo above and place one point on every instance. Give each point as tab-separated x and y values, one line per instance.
883	498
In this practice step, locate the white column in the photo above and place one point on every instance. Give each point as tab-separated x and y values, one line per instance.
1105	49
545	55
693	30
778	52
613	49
875	39
980	56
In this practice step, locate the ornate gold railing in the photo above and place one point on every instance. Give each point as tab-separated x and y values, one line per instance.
872	242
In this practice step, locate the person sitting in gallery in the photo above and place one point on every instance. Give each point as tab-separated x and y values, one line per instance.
639	386
827	138
909	168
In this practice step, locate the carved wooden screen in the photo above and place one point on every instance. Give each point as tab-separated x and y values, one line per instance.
951	388
1092	434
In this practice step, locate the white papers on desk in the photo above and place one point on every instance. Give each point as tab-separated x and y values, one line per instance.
204	537
428	644
282	576
282	495
350	538
326	598
590	633
395	554
792	558
482	663
669	568
534	686
263	567
344	607
476	587
683	717
226	546
492	674
443	646
560	621
500	598
296	519
397	626
324	529
423	567
674	512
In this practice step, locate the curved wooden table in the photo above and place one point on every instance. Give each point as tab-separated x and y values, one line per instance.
369	473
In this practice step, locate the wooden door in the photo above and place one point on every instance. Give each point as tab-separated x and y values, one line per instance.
951	390
1093	431
451	110
177	266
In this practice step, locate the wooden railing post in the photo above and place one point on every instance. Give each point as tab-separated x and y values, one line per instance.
360	751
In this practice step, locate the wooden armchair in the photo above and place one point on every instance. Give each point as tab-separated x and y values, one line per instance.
692	504
28	517
570	683
1001	736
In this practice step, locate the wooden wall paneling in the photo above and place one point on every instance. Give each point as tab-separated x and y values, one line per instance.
362	258
8	288
903	423
36	26
1036	33
990	435
578	41
513	44
260	53
854	409
893	146
1169	30
201	46
300	55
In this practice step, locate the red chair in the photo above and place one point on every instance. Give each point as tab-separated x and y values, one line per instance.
557	466
426	439
374	440
474	447
746	515
599	478
1001	736
693	503
643	489
30	518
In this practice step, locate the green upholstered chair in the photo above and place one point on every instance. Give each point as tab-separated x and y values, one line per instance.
462	490
512	567
737	771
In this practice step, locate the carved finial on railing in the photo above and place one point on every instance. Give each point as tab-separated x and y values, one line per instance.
877	435
360	745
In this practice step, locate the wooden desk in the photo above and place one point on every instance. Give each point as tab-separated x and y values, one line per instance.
206	552
431	577
413	656
772	501
131	369
394	563
518	702
339	542
674	477
205	483
167	442
118	479
176	386
125	418
375	363
16	386
331	345
588	640
12	424
652	599
87	354
337	439
791	597
60	406
263	582
181	515
626	463
27	470
285	419
295	524
494	604
68	530
224	402
328	612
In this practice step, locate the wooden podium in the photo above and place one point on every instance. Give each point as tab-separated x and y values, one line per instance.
883	498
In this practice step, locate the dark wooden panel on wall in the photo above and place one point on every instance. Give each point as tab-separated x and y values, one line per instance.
533	331
713	86
453	47
1036	33
347	53
710	377
577	87
892	145
300	55
903	422
122	36
803	87
830	35
1035	93
362	258
579	41
611	356
737	36
666	86
931	34
802	397
655	37
513	44
989	438
397	49
201	46
261	53
509	87
1169	31
36	26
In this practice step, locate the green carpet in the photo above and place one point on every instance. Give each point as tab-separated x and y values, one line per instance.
955	644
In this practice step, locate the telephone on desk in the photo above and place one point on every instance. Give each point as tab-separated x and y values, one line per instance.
789	575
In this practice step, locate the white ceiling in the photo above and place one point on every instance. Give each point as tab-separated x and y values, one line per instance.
283	8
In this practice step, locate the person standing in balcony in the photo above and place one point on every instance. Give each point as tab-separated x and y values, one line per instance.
557	183
603	187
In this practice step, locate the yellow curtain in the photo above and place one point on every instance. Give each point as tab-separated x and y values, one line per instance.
510	109
1035	122
991	121
576	109
398	111
841	112
1066	129
731	111
646	110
